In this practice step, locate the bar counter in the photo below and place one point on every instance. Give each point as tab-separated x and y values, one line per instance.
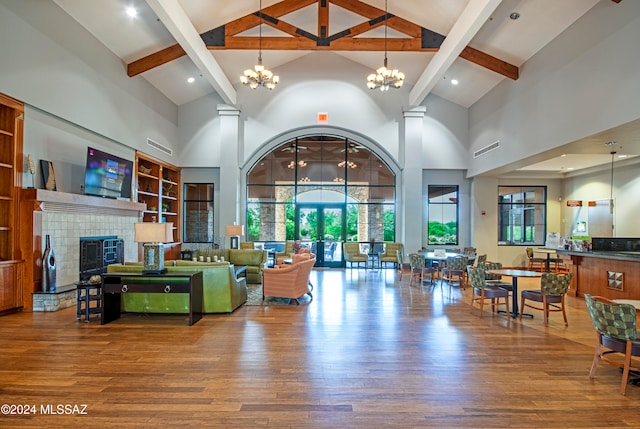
612	274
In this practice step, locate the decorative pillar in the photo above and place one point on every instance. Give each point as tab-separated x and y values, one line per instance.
413	234
230	155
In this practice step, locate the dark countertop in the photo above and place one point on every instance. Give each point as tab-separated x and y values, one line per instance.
619	255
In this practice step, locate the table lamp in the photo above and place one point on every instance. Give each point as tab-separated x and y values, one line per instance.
234	231
153	236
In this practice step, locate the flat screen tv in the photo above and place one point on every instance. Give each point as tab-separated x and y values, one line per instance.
107	175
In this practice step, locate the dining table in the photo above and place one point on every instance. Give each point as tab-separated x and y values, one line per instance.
548	252
515	274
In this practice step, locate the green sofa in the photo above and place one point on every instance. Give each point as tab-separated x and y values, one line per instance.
222	291
254	259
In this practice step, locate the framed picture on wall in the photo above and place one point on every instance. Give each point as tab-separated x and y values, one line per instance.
48	176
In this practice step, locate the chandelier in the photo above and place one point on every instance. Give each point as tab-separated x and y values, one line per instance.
259	76
385	77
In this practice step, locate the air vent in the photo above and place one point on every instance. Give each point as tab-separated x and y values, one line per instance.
486	149
161	148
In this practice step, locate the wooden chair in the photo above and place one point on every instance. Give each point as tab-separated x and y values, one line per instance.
616	335
289	281
483	291
419	270
400	267
453	272
535	264
553	288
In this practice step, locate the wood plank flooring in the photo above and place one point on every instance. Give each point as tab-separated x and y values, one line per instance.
368	352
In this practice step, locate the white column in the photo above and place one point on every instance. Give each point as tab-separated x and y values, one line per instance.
413	234
230	153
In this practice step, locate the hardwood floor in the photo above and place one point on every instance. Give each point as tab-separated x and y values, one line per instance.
367	352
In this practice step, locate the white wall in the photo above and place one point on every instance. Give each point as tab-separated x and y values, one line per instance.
597	186
51	63
582	83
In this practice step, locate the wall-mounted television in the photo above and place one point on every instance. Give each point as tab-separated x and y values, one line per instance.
107	175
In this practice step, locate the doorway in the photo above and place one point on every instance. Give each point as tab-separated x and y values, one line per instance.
321	227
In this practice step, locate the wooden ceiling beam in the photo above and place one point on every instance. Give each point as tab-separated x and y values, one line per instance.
419	39
344	44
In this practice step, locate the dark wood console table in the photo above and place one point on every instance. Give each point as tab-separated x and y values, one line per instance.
114	284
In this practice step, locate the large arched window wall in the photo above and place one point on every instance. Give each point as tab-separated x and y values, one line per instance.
324	170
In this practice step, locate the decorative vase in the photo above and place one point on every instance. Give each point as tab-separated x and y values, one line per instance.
48	267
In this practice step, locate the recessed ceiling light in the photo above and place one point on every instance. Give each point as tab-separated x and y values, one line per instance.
622	156
570	168
564	154
454	81
132	12
191	79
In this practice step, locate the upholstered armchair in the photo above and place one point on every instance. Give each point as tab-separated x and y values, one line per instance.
390	255
352	254
247	245
288	281
285	254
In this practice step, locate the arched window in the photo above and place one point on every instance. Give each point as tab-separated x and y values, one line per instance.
321	169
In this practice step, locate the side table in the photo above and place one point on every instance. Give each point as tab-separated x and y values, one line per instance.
88	293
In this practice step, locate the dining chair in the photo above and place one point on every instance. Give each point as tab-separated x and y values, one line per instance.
419	269
495	279
453	272
400	265
553	288
352	254
616	335
482	291
535	263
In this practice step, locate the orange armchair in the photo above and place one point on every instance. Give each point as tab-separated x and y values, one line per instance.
288	281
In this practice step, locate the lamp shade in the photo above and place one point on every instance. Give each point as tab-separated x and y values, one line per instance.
234	230
152	232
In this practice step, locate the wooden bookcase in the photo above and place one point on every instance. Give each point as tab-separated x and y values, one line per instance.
11	126
158	186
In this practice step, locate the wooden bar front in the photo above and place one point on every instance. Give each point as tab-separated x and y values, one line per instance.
591	274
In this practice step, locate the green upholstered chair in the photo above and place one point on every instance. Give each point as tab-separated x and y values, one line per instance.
453	272
247	245
286	253
616	334
553	288
483	290
352	254
390	256
419	268
495	279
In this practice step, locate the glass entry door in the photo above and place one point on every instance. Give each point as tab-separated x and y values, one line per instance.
321	227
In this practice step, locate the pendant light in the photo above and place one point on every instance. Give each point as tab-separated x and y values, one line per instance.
259	76
385	77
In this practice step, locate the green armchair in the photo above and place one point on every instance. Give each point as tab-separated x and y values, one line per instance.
352	254
390	255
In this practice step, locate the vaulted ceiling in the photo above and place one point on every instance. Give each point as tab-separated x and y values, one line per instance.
477	43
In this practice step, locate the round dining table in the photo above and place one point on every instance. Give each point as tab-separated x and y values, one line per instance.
514	274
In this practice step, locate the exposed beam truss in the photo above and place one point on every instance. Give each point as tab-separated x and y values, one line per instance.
419	39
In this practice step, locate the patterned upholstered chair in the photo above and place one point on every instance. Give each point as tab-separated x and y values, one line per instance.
285	254
553	288
535	264
352	254
453	272
400	266
389	256
616	334
247	245
482	291
495	279
419	269
291	281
